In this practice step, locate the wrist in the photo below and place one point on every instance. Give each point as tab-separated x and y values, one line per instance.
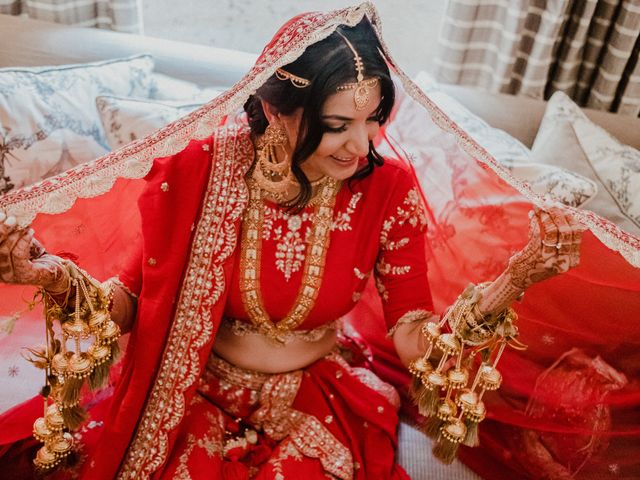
499	294
59	280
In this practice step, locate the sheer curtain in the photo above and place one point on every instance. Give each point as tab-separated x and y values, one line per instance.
119	15
587	49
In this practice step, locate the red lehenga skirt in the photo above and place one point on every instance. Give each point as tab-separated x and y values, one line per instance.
329	420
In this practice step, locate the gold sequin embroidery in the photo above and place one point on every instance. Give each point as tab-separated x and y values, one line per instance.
292	232
412	212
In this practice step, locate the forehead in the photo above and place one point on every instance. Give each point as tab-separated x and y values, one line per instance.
342	103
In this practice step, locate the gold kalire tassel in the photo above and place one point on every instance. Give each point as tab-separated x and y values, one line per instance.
454	410
66	372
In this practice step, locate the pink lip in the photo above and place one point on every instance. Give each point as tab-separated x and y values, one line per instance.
351	160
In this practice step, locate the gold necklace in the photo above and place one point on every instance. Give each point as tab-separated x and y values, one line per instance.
313	267
313	201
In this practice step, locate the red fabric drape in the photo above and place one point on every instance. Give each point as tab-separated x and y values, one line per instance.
581	328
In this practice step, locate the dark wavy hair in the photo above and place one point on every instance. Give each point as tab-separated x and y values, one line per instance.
327	64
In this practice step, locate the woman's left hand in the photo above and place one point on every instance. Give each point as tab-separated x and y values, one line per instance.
553	248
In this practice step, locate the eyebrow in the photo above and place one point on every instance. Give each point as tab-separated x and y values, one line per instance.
337	117
340	117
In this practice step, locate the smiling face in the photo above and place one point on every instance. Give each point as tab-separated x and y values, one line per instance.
345	141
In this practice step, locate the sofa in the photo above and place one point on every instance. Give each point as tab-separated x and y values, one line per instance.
29	43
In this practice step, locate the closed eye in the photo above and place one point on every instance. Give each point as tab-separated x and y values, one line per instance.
339	129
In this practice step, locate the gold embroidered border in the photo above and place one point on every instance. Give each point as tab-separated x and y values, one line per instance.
250	262
411	316
117	282
192	326
241	377
242	328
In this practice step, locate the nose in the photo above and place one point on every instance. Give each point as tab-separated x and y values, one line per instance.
358	143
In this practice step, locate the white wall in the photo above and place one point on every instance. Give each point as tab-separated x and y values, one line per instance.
410	26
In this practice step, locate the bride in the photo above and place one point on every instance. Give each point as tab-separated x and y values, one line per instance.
237	247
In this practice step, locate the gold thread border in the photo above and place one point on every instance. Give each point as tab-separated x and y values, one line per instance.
192	326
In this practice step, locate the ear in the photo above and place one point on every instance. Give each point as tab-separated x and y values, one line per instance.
269	111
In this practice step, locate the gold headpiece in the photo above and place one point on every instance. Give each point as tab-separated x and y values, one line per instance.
361	87
296	80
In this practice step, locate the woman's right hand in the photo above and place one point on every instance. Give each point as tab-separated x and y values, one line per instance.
24	261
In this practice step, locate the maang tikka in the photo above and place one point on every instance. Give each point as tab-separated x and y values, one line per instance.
361	86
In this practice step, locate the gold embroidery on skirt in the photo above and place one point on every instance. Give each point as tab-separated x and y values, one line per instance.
280	421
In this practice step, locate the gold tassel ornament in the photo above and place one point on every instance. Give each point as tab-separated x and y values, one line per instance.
446	411
67	371
453	409
451	435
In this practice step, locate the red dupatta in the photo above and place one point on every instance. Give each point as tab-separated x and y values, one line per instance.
478	218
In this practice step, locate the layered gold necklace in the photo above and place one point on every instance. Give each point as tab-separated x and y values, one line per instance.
318	243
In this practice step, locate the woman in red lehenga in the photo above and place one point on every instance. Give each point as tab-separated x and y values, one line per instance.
251	240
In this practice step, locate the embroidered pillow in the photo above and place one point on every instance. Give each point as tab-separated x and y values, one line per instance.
569	139
559	183
127	119
48	117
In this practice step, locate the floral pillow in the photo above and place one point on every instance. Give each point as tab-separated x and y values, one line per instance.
569	139
48	117
128	119
559	183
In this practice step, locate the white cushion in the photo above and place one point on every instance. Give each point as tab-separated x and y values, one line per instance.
559	183
48	118
164	87
128	119
569	139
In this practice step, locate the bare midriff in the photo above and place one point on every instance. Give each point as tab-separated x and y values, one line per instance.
260	353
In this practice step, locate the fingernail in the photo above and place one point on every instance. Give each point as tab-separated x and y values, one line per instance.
31	231
2	216
10	221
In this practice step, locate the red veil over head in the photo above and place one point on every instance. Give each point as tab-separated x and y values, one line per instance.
569	403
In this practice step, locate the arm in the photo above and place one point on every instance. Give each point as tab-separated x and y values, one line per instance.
401	269
553	248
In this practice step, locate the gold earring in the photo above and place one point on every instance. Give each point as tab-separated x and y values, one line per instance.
272	175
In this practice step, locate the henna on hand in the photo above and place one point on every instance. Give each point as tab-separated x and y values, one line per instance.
24	261
553	248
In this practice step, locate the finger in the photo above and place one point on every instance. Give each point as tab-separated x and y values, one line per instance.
6	260
36	250
7	226
22	247
2	216
576	240
24	270
565	232
549	233
534	224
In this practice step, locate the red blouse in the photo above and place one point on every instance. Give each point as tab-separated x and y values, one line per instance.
378	228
